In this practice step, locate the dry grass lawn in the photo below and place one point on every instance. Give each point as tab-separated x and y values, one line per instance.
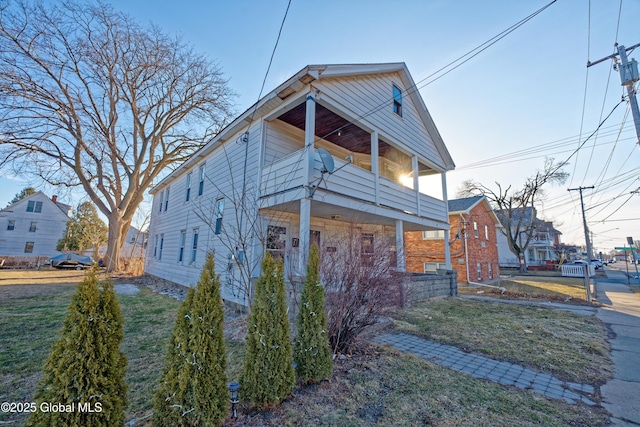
374	386
535	287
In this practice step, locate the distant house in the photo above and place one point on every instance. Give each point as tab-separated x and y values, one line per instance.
543	247
472	242
32	226
134	246
331	146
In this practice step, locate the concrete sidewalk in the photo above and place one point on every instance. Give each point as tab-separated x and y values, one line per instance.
621	311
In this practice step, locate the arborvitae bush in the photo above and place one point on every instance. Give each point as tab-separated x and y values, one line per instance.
193	389
267	375
85	371
311	349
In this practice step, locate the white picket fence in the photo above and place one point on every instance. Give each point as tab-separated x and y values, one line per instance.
576	270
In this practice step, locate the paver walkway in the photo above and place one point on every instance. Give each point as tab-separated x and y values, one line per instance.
485	368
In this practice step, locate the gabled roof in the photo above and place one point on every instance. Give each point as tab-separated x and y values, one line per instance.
274	99
66	209
465	205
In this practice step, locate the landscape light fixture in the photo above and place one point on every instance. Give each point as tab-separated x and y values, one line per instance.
233	389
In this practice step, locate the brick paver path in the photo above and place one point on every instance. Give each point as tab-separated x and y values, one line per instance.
485	368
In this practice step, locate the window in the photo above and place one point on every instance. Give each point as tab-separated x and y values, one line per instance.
475	229
155	246
397	100
161	201
161	245
34	206
166	200
183	241
433	235
433	267
276	241
28	248
188	195
366	248
219	212
11	225
194	246
33	227
490	271
479	267
486	232
201	182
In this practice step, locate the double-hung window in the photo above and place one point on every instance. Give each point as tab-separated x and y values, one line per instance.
219	212
33	227
161	201
188	194
202	173
12	225
397	100
194	246
183	241
166	200
28	248
160	248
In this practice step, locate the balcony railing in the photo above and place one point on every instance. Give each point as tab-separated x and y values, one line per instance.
283	181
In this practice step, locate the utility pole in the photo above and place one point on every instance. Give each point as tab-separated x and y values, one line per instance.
628	76
584	222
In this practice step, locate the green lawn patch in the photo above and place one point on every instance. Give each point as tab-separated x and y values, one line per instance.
570	346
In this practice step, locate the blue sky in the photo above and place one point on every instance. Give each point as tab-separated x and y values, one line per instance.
524	92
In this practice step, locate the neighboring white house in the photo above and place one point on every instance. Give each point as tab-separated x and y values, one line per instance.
261	184
544	245
32	226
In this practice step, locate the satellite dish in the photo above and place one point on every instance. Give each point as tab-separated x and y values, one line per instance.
327	160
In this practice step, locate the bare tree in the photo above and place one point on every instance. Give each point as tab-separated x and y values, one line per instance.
516	210
90	98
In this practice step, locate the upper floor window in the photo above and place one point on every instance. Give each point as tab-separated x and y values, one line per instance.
201	182
34	206
33	227
397	100
166	200
11	225
486	232
475	229
219	212
161	200
188	194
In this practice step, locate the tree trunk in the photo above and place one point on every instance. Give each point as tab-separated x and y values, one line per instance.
523	265
112	257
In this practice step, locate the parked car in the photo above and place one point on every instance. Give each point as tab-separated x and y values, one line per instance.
71	260
597	263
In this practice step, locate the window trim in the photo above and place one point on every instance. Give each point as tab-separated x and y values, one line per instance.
194	245
166	200
34	206
28	247
183	243
11	225
219	214
189	180
33	226
201	174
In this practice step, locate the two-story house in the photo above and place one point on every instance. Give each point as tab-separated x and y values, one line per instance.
31	227
544	244
332	146
471	240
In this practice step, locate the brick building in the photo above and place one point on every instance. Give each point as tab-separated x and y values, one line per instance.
472	240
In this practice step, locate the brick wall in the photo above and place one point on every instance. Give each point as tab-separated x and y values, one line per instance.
479	249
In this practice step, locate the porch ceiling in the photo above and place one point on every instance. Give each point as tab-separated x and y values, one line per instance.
369	214
327	124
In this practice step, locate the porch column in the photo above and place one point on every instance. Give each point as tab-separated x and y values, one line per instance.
309	137
401	264
374	165
305	230
309	165
447	251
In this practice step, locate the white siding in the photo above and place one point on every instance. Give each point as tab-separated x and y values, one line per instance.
51	223
365	95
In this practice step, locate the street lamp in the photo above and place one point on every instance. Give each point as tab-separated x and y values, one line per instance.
233	389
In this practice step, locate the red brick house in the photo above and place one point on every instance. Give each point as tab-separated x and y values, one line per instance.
472	242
